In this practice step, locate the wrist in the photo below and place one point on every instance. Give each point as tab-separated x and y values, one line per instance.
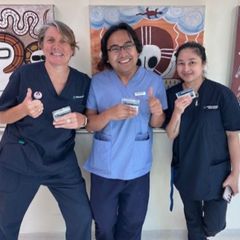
157	114
84	124
85	121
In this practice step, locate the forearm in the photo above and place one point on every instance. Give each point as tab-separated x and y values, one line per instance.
96	122
234	151
157	120
13	114
173	126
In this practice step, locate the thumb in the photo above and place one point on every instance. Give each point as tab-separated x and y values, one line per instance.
225	183
29	94
150	92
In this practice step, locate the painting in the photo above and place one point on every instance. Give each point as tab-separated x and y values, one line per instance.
19	26
236	65
161	30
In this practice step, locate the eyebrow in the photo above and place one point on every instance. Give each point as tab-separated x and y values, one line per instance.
113	45
191	59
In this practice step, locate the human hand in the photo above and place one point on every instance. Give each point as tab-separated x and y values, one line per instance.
73	120
233	181
154	103
33	108
121	111
182	103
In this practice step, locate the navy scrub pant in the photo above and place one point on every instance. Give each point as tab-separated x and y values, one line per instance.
68	188
119	207
204	218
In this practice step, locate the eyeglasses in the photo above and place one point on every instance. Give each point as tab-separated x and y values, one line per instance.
116	49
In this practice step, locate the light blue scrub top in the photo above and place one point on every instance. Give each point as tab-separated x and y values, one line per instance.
123	149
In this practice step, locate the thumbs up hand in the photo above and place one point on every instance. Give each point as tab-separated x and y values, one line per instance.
32	107
155	105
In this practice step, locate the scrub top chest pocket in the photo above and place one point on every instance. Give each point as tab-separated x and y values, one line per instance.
78	103
211	117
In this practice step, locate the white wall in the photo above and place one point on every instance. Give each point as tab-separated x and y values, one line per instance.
43	215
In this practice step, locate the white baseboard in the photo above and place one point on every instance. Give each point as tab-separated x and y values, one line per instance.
147	235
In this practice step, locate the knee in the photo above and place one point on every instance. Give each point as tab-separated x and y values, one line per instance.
104	231
130	225
211	230
86	216
83	216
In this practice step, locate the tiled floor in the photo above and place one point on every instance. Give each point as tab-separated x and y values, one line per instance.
149	235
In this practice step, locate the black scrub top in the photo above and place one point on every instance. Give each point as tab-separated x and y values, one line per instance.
33	146
201	160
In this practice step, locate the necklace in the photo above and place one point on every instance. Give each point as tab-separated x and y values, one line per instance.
196	99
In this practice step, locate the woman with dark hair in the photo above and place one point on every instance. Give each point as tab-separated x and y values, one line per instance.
42	106
125	102
203	120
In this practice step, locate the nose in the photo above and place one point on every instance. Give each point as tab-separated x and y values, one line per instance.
122	51
186	67
55	45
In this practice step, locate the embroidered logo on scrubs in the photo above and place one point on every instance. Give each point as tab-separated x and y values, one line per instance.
78	97
37	95
211	107
137	94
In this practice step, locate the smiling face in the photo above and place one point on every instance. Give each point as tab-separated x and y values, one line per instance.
124	61
56	48
190	67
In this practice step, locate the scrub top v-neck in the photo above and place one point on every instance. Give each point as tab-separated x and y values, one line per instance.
34	146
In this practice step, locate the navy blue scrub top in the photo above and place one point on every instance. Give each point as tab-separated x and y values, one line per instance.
33	146
201	160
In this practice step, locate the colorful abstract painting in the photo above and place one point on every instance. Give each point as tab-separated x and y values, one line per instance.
19	26
236	66
161	30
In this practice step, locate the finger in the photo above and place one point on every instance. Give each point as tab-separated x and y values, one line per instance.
29	94
225	183
150	92
132	111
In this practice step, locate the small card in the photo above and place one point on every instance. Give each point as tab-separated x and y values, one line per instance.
131	102
185	92
227	194
61	112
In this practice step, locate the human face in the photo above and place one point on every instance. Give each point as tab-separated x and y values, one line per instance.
124	62
190	67
56	49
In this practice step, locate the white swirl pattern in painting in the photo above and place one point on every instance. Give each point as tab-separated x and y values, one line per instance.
20	26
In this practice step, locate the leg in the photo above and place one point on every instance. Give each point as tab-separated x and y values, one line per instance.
16	194
132	209
214	216
104	202
69	190
193	214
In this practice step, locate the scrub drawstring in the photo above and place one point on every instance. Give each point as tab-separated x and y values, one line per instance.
171	189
